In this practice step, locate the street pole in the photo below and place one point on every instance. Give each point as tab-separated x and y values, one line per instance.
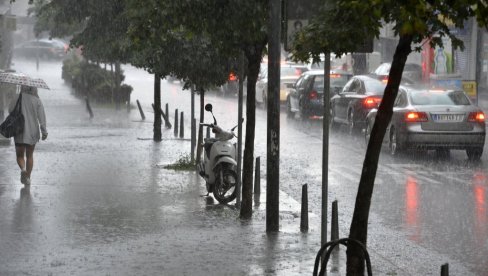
325	149
239	129
192	126
273	129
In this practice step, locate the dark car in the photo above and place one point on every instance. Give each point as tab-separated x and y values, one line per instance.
434	119
361	94
306	97
42	48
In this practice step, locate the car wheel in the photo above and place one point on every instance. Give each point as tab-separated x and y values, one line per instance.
474	154
332	123
351	123
289	112
367	133
395	147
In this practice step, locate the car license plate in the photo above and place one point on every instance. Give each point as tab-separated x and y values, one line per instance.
447	117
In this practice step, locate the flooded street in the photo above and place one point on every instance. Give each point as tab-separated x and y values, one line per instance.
101	203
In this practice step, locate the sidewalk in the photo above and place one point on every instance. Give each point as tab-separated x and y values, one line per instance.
101	203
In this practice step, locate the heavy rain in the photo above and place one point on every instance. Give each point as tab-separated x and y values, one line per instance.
144	167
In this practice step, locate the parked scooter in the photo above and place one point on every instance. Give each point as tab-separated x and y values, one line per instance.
219	166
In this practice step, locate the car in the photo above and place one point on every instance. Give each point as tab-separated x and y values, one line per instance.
231	87
428	119
306	95
351	106
412	73
289	73
42	48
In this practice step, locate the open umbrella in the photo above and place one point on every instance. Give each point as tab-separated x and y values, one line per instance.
22	79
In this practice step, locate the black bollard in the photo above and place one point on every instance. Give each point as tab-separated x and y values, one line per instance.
168	125
334	226
182	126
88	107
193	138
304	214
176	123
257	179
208	132
445	269
140	110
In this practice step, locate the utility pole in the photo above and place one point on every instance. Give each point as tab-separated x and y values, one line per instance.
242	59
273	130
325	149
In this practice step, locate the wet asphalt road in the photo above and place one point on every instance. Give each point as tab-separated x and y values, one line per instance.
425	211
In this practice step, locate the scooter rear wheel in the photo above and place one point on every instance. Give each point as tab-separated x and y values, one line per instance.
225	184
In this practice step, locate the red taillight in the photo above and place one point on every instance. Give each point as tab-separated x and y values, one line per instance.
371	102
313	95
416	117
385	79
335	76
477	117
232	77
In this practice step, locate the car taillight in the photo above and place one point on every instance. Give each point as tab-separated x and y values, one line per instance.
477	117
313	95
413	117
371	102
232	77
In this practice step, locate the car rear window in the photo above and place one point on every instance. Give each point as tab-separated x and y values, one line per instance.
374	87
439	98
336	80
292	71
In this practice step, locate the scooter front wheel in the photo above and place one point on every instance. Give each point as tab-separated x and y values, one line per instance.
225	184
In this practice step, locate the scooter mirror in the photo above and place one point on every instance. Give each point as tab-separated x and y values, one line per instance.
208	107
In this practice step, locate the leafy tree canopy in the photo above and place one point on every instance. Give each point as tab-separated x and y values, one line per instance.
163	47
342	24
101	26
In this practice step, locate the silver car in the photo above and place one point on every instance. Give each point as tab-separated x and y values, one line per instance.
433	119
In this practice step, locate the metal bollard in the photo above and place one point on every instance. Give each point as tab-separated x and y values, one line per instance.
334	226
140	110
182	126
193	138
208	132
88	107
257	178
176	122
304	214
168	125
445	269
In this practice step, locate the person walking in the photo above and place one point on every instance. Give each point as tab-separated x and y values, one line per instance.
25	142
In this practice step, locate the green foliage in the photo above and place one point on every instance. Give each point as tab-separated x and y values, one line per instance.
163	46
91	80
99	27
183	164
342	24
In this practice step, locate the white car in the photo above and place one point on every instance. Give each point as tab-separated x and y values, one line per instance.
289	74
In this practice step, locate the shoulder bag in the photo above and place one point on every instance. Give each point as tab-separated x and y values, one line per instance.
14	123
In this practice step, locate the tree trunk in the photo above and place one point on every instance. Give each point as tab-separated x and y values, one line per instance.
157	107
253	64
200	128
359	224
117	85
